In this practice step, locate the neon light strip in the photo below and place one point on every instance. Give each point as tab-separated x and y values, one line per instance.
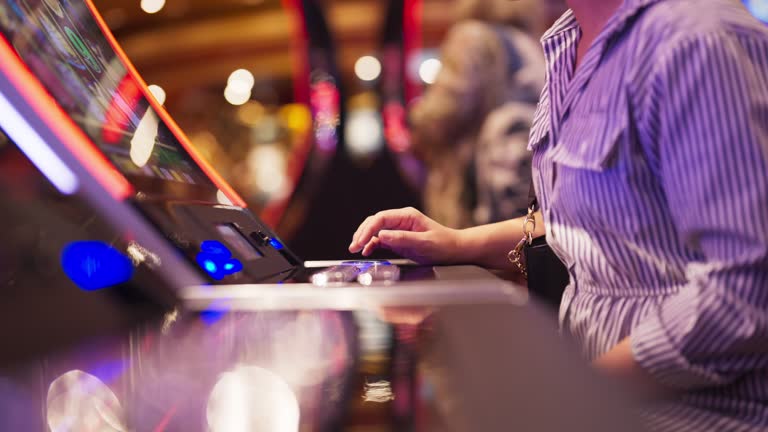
60	123
300	39
412	23
36	149
166	118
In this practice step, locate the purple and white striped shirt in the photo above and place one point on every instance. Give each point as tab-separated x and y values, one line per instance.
651	167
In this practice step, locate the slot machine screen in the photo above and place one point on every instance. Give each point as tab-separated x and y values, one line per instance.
62	44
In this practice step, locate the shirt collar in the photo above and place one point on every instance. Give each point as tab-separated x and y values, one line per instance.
564	23
626	11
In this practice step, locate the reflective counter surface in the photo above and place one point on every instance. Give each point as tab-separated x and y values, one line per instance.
470	367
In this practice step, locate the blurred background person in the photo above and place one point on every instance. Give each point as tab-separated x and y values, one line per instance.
471	126
534	17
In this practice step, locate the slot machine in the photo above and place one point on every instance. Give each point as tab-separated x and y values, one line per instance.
141	294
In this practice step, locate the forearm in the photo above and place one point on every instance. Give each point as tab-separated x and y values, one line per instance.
488	245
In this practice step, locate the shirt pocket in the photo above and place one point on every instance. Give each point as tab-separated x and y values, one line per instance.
590	141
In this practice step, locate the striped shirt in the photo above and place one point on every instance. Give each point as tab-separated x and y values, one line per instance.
651	168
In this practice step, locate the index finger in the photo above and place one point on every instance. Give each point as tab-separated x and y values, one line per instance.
387	219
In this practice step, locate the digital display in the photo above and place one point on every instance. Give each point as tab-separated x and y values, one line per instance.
234	238
61	43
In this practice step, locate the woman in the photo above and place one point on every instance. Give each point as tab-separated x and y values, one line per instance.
650	156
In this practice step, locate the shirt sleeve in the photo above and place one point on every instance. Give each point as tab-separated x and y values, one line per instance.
710	108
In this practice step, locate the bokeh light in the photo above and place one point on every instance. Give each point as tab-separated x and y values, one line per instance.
758	8
429	69
78	401
237	96
252	399
364	132
241	77
158	92
251	113
239	87
268	166
367	68
152	6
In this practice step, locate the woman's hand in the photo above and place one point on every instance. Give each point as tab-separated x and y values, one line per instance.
619	364
409	233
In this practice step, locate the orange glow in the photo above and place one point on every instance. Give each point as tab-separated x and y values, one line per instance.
300	43
61	124
163	114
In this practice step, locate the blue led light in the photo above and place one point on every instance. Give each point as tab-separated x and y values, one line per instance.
210	266
276	244
216	259
233	266
210	317
215	311
215	247
93	265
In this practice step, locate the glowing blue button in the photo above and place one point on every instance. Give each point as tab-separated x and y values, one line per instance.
215	247
93	265
210	266
216	259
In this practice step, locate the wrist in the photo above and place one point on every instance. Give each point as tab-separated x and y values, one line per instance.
460	247
471	247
